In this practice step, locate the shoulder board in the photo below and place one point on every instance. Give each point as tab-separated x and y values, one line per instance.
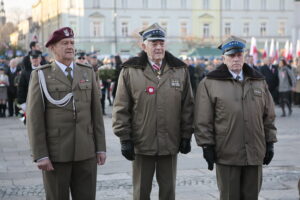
44	66
83	65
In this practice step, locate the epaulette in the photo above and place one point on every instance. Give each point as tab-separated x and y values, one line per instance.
44	66
83	65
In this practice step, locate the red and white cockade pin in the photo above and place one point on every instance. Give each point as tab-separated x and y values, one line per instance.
82	81
150	90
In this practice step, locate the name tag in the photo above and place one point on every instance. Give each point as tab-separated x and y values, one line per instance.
175	83
257	92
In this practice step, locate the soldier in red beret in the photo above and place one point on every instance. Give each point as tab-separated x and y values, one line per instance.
69	140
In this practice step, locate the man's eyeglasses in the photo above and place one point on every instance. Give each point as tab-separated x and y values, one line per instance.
81	58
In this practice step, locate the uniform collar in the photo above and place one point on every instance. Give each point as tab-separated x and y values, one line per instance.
234	75
152	63
63	67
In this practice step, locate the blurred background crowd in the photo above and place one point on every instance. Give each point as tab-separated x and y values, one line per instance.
282	76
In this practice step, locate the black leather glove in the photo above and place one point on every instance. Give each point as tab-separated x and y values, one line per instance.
209	155
127	149
269	153
185	145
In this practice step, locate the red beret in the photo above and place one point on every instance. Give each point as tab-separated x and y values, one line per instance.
59	34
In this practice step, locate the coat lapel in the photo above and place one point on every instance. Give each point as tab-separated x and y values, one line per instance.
166	75
59	75
77	75
148	72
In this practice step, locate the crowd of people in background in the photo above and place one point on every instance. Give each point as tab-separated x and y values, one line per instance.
282	77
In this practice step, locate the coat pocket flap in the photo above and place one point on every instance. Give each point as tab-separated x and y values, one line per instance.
85	86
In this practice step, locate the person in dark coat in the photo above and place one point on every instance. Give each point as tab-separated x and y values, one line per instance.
12	88
35	61
118	67
34	46
250	62
270	72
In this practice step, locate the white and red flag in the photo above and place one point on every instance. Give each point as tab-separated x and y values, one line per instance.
277	51
265	52
286	49
298	48
253	50
290	55
272	50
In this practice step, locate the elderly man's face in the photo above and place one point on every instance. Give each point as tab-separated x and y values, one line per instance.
234	62
155	50
64	50
35	61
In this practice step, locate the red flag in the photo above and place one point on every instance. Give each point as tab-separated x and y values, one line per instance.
253	50
265	52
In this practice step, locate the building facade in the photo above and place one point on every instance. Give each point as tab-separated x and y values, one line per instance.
262	19
206	22
112	26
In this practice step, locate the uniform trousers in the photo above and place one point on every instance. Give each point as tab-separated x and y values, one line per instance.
78	177
143	172
239	182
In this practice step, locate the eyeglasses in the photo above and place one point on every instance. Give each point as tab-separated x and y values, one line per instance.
81	58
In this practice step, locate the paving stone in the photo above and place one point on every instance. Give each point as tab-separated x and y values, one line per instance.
21	180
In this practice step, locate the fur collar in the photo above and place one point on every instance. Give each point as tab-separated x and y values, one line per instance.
141	61
222	72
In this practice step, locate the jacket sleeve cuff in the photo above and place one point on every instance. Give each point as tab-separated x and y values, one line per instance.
125	137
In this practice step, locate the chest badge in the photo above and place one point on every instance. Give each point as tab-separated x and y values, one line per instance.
175	83
150	90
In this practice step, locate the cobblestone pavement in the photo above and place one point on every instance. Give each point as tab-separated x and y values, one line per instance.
21	180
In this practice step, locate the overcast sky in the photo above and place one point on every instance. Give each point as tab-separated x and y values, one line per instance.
18	9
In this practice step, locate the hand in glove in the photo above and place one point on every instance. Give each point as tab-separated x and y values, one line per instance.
269	153
209	155
127	149
185	145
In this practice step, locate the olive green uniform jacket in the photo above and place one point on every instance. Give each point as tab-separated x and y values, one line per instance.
155	121
236	117
58	132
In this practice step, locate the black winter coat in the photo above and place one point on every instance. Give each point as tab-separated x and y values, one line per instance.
271	76
23	84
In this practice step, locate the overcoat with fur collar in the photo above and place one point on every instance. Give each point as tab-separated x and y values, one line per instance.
155	112
237	117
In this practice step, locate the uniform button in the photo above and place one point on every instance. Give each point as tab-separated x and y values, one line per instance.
86	86
56	89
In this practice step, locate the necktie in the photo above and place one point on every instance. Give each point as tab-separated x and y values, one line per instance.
69	76
237	78
156	67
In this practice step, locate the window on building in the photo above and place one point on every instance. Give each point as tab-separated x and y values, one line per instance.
281	4
183	4
145	3
145	25
246	4
263	29
163	4
124	3
205	4
72	3
263	4
124	27
246	29
96	29
183	29
96	3
227	30
164	25
281	29
206	30
227	4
